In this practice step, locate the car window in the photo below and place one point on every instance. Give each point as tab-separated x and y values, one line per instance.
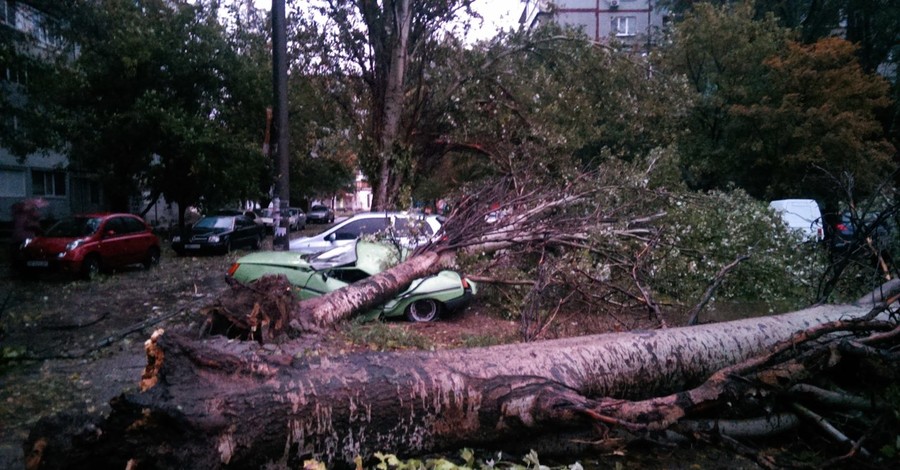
412	227
132	225
74	227
361	227
215	222
114	225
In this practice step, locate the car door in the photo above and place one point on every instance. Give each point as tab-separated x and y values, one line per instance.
136	240
113	244
244	231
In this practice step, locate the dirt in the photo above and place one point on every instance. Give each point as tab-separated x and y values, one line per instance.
69	344
72	345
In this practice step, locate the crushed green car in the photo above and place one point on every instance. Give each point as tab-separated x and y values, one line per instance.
313	275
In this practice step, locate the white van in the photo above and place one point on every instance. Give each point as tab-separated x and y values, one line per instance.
801	215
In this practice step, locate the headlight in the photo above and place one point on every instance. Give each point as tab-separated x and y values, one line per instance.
27	242
214	239
72	245
176	239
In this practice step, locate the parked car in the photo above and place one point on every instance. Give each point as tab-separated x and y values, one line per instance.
314	275
297	218
406	229
86	244
802	216
852	230
220	234
319	214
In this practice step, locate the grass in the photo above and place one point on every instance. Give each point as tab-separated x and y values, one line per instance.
380	336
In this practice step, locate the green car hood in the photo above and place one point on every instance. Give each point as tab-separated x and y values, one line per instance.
277	258
371	258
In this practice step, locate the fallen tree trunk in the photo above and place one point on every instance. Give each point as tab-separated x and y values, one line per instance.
218	403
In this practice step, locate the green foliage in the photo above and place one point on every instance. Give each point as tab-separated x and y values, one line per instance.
550	104
704	232
323	147
771	116
162	97
377	65
380	336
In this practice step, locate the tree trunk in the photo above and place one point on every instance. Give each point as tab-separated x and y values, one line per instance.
398	22
342	303
216	403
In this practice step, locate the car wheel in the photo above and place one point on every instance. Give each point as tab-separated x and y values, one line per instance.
423	310
90	267
152	258
257	242
228	247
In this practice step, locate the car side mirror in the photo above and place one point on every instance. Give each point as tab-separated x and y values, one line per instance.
331	237
109	233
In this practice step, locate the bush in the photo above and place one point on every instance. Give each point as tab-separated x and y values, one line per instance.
704	232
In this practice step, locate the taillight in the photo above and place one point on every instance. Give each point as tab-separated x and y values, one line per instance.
841	227
234	267
465	283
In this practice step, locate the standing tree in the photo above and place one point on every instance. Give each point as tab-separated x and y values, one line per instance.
160	97
369	50
770	116
818	113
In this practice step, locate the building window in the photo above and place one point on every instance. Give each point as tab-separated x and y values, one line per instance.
14	74
48	183
12	183
624	25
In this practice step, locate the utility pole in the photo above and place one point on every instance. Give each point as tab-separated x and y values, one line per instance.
281	201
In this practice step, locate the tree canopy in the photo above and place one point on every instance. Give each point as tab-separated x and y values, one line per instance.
774	117
161	96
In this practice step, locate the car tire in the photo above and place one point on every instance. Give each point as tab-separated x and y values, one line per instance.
152	258
90	267
257	242
228	248
423	310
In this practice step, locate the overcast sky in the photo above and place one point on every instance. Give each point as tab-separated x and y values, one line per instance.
498	15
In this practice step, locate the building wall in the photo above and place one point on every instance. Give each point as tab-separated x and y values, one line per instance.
628	21
46	174
42	176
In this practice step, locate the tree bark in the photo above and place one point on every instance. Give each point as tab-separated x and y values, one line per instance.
218	403
398	19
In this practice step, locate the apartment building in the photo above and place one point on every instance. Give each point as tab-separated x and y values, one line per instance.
632	23
43	174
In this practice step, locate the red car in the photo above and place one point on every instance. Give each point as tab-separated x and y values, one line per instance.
86	244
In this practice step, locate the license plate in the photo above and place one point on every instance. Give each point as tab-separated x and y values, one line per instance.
192	246
37	264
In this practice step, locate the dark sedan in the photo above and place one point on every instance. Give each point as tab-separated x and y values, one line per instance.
219	234
854	231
